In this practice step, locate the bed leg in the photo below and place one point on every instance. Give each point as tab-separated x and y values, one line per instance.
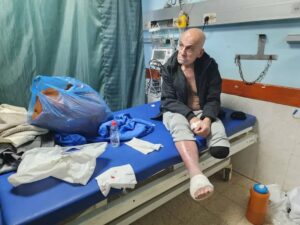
227	172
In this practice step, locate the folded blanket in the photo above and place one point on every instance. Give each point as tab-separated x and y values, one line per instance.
11	116
22	134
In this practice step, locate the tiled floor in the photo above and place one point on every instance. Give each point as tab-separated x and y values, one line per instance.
226	207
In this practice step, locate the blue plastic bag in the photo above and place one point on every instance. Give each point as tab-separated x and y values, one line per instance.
66	105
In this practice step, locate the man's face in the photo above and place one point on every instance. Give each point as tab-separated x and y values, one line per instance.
188	50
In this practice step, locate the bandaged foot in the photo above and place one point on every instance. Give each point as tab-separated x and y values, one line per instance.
200	187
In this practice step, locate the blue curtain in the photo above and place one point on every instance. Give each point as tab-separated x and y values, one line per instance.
96	41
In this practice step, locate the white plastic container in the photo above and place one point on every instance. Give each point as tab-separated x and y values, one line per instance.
114	134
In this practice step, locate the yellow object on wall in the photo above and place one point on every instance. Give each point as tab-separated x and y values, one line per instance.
183	20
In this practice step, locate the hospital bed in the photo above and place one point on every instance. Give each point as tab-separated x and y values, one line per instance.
161	176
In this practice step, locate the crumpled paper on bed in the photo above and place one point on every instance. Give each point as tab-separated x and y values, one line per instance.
142	146
116	177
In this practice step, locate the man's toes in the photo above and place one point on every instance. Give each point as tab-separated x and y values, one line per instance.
200	187
202	192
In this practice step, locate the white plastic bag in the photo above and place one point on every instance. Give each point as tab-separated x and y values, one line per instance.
74	164
294	204
278	207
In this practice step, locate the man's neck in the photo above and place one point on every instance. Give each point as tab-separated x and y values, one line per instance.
188	71
187	67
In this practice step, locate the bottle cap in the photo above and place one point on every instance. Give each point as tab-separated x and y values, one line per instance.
260	188
113	123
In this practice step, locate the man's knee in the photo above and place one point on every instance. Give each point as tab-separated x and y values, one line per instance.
219	152
178	126
175	121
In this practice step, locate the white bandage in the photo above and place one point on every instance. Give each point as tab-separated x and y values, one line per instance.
194	125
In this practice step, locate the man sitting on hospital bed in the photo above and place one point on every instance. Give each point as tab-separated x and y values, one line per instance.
190	104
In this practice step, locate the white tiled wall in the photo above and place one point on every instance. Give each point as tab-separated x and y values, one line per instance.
276	156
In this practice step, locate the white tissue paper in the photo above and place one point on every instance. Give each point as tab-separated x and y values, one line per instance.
144	147
116	177
74	164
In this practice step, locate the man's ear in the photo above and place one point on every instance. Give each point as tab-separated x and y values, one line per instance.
201	53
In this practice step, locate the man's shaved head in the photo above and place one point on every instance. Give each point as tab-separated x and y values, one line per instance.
196	35
190	46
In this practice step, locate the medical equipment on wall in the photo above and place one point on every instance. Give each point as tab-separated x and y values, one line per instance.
154	81
170	3
162	54
182	20
259	56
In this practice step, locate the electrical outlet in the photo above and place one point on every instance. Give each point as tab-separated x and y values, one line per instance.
296	8
212	17
175	22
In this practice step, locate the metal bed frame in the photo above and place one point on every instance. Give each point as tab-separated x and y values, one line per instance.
160	188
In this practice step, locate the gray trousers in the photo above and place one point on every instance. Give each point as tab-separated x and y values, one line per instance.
180	130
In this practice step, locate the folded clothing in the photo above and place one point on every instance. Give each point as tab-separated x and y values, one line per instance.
116	177
9	159
11	116
22	134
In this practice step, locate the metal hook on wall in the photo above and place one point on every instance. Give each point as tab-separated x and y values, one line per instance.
259	56
262	39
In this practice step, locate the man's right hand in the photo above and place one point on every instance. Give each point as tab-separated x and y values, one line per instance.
200	127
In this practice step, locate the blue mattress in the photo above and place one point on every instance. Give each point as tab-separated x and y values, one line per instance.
50	201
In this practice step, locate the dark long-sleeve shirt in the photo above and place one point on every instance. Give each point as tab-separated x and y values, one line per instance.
175	89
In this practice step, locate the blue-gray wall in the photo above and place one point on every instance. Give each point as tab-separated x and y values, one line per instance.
224	42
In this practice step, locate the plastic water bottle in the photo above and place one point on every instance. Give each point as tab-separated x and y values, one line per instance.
114	134
258	204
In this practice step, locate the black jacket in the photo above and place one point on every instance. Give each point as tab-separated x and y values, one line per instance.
175	91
